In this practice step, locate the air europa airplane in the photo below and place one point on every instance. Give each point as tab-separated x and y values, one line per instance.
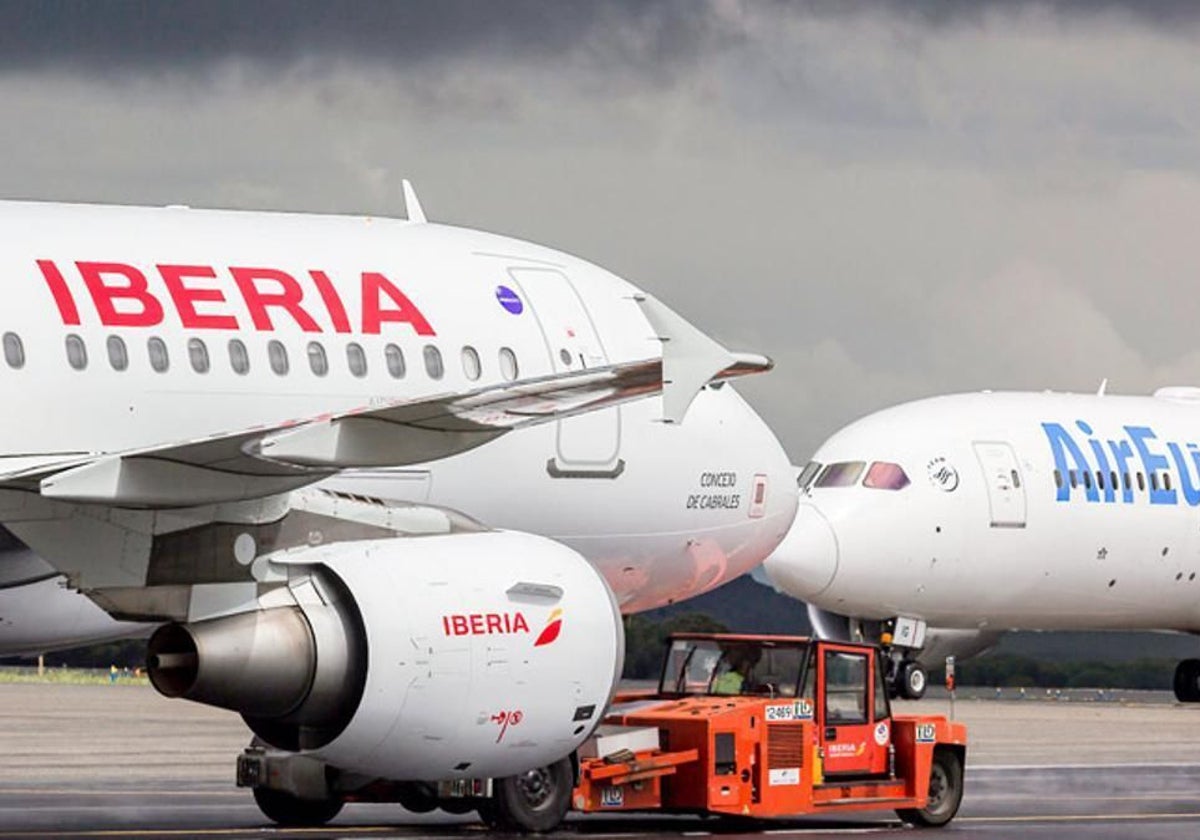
946	521
279	434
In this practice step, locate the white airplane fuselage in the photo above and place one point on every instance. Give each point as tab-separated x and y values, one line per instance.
126	328
1000	511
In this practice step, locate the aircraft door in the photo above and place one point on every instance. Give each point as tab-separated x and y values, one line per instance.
854	742
587	446
1002	475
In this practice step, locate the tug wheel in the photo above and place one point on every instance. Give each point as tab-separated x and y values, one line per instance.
945	792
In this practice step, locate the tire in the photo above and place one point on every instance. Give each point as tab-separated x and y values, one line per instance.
913	680
417	797
535	801
945	792
293	812
1187	681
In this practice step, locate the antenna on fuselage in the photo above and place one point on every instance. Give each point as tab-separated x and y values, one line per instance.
412	204
1103	387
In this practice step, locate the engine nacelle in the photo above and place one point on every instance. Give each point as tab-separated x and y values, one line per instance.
422	658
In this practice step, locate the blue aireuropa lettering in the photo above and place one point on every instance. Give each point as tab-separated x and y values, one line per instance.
1089	470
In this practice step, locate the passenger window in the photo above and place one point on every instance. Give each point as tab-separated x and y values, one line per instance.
1166	481
239	359
357	359
1141	481
1128	484
156	348
1058	481
1099	479
118	356
1087	479
394	357
76	352
1154	481
317	360
1074	479
844	474
433	362
198	354
14	351
470	362
885	476
508	364
1113	477
807	474
277	355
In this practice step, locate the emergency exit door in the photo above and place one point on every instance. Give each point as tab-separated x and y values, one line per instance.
586	446
1005	489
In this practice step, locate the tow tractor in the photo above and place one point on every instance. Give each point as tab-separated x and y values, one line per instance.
739	725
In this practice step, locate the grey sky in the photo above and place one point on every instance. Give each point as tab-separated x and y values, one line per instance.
893	201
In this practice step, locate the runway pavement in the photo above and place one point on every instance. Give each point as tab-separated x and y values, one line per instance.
104	761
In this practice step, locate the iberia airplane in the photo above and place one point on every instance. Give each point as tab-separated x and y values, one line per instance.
279	436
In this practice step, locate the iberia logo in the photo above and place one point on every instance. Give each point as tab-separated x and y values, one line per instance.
551	630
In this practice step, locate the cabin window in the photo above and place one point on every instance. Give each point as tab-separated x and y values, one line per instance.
433	362
14	351
508	364
156	349
470	362
198	355
1141	481
1166	481
1113	477
118	355
885	476
1087	479
807	474
239	359
394	357
1154	481
1100	479
317	360
357	359
277	356
76	352
1016	479
842	474
1074	478
1058	479
1128	483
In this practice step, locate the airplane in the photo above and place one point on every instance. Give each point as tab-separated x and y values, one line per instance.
939	524
277	434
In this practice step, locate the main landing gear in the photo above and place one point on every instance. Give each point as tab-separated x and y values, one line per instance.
1187	681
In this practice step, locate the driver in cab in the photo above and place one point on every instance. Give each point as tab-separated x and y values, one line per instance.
735	671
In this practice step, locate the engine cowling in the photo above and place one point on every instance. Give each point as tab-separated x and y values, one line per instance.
427	658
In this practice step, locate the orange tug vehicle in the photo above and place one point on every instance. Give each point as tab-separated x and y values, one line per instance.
771	726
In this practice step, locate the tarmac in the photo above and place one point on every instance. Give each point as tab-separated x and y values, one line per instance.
119	760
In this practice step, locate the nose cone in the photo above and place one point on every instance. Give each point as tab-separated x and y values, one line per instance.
806	561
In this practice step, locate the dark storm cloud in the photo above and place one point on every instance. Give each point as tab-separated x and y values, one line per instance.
85	35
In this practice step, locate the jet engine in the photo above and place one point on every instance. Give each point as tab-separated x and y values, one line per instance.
412	658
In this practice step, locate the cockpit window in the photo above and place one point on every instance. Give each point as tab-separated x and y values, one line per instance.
885	476
807	474
843	474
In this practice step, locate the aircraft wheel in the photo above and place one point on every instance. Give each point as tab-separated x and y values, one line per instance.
912	680
417	797
533	801
291	811
945	792
1187	681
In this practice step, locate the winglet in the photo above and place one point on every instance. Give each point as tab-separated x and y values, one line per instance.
690	358
412	204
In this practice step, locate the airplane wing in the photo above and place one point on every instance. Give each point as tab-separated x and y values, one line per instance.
264	461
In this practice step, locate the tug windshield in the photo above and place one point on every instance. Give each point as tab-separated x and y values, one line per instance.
734	666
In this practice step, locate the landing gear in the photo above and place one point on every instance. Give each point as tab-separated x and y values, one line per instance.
1187	681
294	812
911	680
